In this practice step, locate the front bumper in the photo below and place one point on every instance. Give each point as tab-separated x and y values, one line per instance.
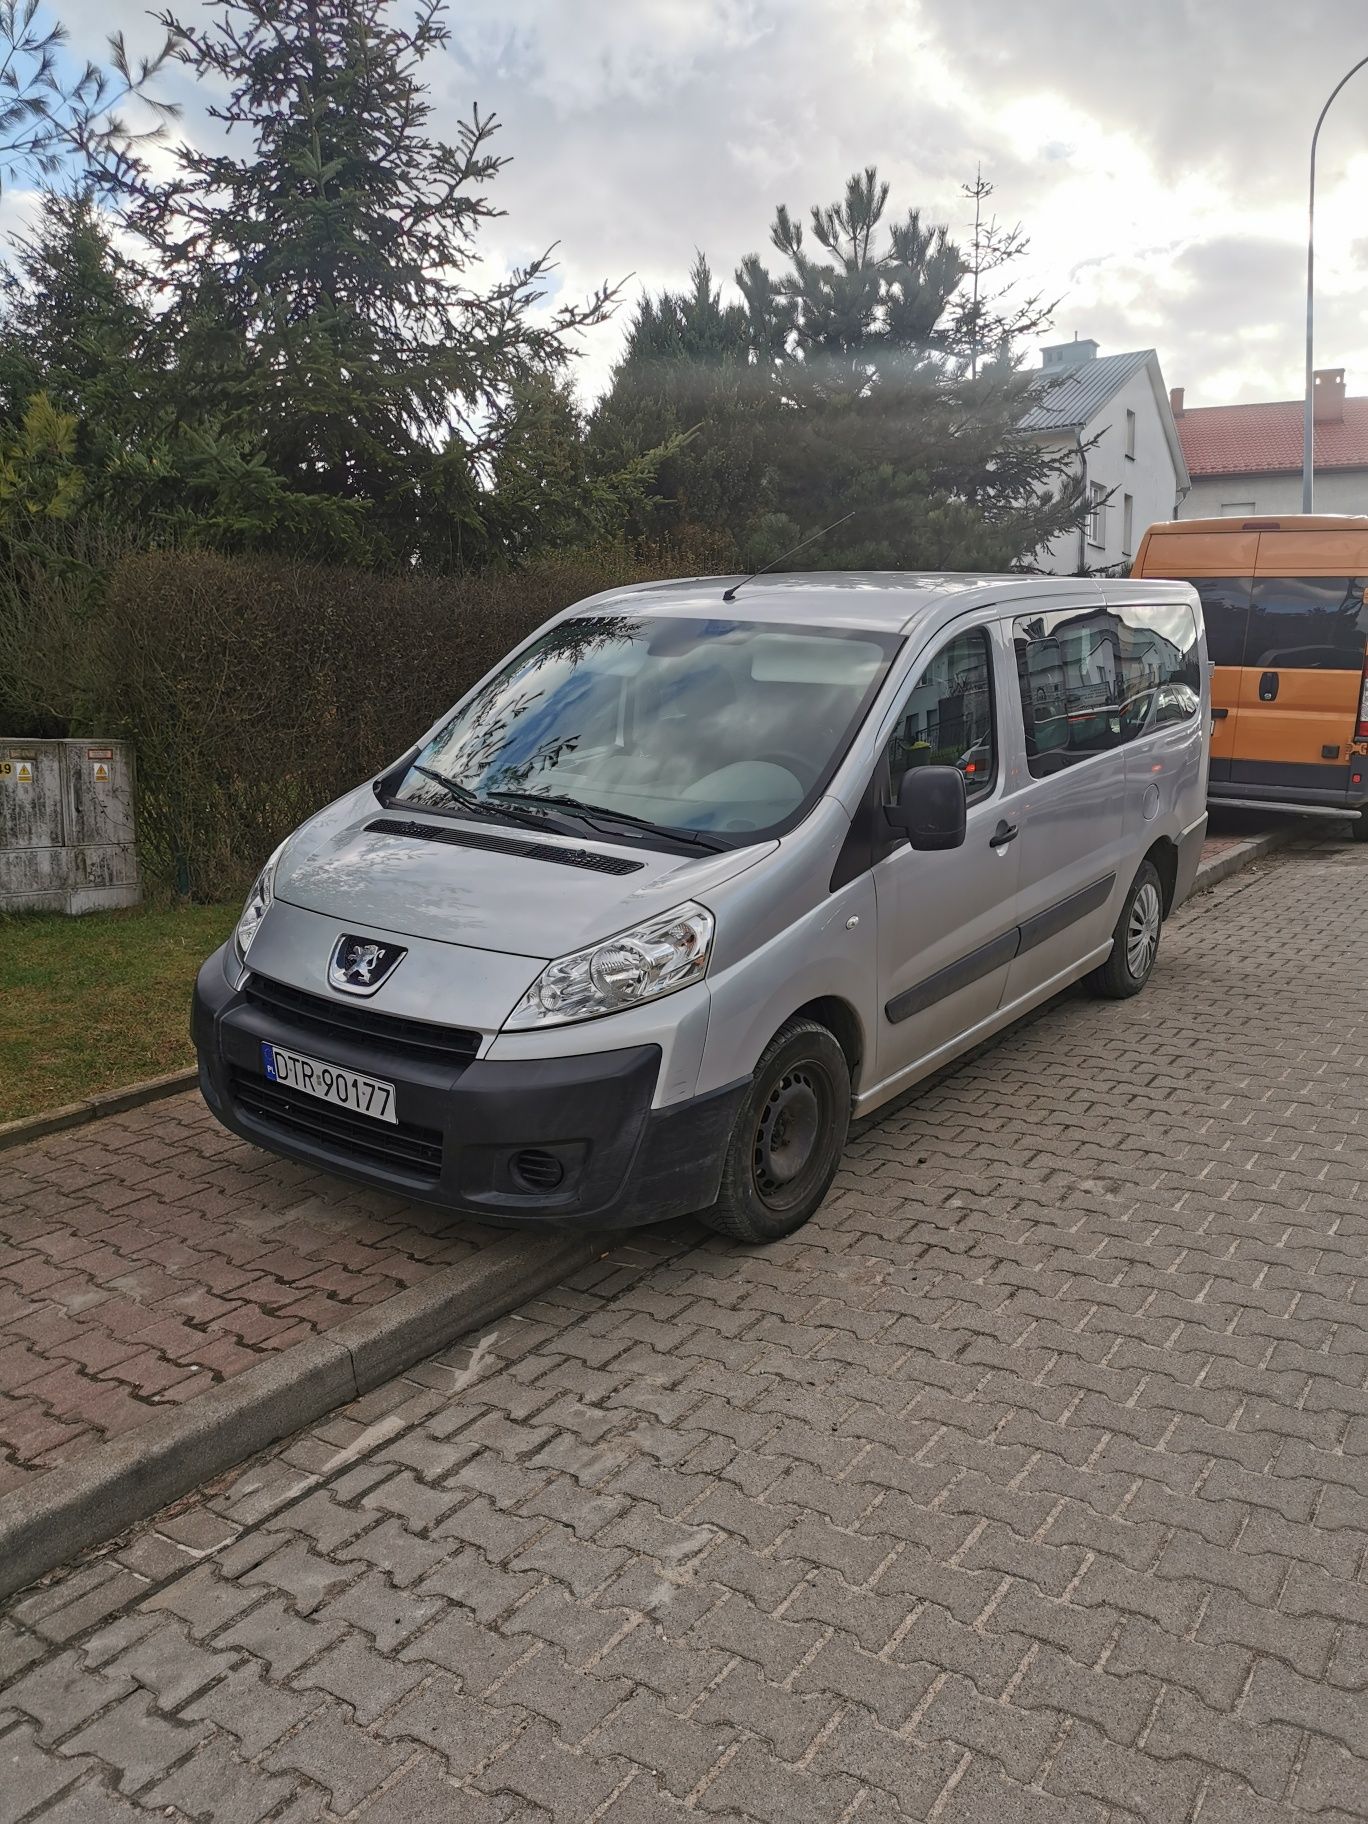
465	1124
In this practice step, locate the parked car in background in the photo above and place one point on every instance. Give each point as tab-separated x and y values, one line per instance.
695	876
1287	632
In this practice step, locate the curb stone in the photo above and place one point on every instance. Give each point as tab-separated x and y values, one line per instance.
46	1521
1242	854
92	1108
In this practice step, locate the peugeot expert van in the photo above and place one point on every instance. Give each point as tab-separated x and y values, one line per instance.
1287	632
701	871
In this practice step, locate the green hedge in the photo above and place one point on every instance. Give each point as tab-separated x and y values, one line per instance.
255	691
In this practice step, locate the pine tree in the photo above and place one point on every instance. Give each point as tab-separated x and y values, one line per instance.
876	407
318	270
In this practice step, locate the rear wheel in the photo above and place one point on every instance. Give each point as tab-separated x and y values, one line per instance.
788	1137
1135	941
1358	827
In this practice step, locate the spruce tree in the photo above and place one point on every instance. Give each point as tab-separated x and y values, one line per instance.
686	384
74	323
318	269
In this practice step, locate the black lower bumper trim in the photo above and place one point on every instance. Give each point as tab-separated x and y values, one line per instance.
464	1128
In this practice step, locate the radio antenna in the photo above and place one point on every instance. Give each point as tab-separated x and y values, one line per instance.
729	595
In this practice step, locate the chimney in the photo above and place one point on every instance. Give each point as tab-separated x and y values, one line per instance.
1061	356
1176	401
1328	397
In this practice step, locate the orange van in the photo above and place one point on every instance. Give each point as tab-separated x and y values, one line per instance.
1287	637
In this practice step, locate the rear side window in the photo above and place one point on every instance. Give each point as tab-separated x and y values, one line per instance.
947	717
1307	623
1093	679
1225	609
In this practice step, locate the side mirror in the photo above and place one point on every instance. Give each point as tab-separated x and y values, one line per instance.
932	807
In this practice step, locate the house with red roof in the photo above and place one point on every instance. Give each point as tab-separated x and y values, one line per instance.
1246	460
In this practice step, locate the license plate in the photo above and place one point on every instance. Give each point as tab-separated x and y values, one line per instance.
330	1083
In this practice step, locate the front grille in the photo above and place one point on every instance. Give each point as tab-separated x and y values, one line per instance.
416	1151
588	859
344	1019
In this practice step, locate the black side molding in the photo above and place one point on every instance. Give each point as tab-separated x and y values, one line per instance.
958	975
1001	950
1057	918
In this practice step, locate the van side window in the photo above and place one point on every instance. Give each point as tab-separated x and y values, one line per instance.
1095	678
947	717
1225	609
1307	623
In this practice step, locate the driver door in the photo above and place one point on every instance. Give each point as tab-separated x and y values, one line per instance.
947	919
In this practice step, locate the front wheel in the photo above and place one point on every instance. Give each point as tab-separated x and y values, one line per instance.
788	1137
1135	941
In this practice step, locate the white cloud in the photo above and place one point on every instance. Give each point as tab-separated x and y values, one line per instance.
1155	153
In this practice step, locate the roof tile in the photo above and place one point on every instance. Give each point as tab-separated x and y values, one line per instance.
1267	439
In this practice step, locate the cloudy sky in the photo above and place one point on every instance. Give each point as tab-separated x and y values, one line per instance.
1155	151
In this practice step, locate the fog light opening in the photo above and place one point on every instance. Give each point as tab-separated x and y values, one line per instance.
536	1170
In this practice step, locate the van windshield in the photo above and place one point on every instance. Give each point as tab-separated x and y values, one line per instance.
691	727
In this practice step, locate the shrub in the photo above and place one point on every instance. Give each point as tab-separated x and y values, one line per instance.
256	690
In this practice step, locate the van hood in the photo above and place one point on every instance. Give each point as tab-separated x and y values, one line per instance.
347	865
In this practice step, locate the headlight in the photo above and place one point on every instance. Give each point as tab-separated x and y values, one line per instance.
258	905
651	959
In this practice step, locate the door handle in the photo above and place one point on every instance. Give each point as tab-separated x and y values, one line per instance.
1268	687
1219	715
1004	833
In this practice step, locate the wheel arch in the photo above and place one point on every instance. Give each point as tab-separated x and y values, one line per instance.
844	1025
1164	855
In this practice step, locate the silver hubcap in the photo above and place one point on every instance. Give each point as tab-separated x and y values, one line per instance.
1142	932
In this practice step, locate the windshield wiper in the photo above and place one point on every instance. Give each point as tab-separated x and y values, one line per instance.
623	819
471	801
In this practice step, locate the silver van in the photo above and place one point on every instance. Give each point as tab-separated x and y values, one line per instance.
703	870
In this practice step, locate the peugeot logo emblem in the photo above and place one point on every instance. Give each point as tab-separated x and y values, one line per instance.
359	965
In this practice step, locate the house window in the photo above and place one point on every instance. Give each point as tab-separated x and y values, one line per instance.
1130	435
1127	524
1097	513
1231	509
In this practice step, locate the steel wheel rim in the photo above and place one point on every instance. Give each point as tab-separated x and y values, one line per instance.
786	1146
1142	930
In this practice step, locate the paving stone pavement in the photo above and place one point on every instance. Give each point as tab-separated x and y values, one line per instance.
1027	1485
151	1255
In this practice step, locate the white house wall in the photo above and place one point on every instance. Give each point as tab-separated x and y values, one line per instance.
1337	491
1150	478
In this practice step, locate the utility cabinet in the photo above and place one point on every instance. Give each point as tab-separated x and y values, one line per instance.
67	837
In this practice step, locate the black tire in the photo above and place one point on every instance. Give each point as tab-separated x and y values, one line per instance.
1358	827
788	1137
1135	941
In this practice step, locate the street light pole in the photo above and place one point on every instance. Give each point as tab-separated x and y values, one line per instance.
1308	409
